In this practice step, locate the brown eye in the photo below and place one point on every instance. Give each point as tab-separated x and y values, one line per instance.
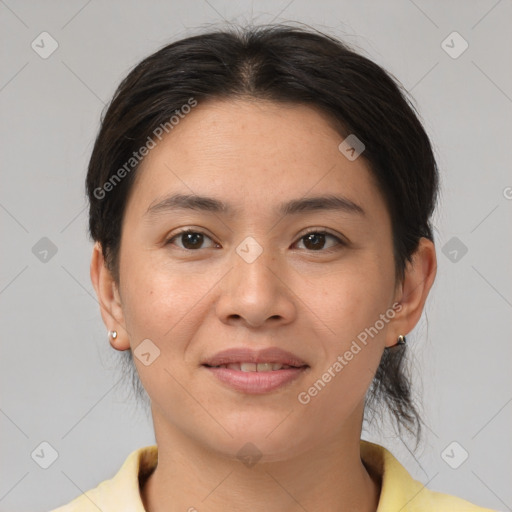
316	240
190	240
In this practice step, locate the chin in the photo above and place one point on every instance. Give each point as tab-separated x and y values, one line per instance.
257	442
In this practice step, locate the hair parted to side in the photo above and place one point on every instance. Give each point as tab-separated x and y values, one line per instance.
279	63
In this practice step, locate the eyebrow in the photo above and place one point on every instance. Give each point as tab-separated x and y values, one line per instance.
210	204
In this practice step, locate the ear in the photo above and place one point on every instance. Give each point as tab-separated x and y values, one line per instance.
413	292
108	298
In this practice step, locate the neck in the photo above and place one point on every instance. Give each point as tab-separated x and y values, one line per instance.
191	477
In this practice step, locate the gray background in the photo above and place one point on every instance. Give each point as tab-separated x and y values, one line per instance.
58	373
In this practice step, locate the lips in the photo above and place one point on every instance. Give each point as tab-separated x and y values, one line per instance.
255	367
255	360
255	372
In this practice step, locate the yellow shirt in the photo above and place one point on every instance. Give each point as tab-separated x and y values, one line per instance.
399	491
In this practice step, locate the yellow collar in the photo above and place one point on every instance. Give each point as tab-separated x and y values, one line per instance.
399	491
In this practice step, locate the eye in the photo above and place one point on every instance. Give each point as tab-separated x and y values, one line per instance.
313	240
316	240
190	240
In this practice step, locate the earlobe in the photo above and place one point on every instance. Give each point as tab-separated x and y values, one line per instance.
108	299
419	277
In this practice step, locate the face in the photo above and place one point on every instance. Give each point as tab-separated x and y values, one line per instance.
310	280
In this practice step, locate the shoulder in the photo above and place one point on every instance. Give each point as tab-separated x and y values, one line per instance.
121	492
399	491
446	502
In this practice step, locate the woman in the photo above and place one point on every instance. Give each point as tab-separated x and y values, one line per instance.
260	202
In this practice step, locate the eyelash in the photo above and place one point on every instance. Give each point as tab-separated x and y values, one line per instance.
340	242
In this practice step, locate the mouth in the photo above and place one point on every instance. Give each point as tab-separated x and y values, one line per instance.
255	371
255	382
256	367
250	360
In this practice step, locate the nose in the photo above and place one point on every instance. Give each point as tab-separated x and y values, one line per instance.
256	293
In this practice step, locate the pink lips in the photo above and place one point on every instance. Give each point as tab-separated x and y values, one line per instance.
246	355
254	382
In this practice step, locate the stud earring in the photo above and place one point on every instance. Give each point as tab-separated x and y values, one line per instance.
399	342
112	334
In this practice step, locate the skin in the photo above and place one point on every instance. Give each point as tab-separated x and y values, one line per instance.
192	303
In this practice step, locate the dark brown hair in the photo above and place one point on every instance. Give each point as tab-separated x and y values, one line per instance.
278	63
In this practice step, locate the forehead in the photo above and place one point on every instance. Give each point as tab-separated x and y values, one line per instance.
253	154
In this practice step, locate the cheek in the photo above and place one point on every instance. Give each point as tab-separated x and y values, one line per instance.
352	346
353	306
350	300
337	391
162	303
164	306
